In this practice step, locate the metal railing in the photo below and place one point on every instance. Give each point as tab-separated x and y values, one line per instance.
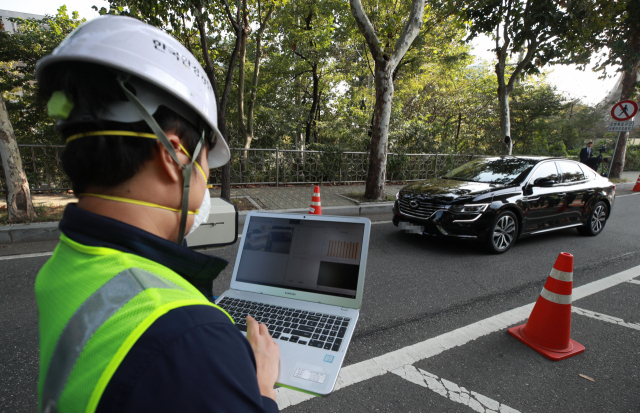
43	166
288	167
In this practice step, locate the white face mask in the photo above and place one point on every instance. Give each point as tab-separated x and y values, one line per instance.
203	212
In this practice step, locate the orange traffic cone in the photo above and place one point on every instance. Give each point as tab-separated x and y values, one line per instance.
637	187
316	208
549	326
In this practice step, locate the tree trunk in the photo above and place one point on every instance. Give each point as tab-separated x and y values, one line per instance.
221	99
455	141
242	54
19	205
311	122
384	68
628	84
629	79
505	122
254	83
376	173
506	144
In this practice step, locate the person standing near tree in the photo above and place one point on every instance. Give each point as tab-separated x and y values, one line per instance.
125	318
586	153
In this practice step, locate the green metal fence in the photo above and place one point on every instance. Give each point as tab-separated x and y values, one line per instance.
43	166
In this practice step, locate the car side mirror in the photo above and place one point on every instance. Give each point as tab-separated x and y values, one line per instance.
543	182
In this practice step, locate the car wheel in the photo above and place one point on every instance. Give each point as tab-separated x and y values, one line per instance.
597	220
503	233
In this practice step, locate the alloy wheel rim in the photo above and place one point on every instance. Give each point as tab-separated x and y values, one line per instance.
598	218
504	232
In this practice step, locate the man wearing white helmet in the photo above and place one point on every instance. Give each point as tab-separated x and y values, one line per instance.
125	323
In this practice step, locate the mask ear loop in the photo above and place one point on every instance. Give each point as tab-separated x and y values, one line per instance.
186	169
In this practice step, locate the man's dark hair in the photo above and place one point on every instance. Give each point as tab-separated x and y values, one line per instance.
106	161
589	143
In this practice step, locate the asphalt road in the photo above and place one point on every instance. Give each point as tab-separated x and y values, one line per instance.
419	288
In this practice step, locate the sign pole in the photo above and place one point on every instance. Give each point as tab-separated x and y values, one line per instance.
623	112
614	154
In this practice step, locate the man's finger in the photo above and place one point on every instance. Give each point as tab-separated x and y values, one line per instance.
252	326
264	329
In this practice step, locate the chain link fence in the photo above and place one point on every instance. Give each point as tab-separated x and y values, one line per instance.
43	167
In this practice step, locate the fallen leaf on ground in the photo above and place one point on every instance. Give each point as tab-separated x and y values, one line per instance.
586	377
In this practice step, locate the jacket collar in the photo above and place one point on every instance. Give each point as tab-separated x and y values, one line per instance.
95	230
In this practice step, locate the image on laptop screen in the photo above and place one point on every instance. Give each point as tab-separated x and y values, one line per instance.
315	256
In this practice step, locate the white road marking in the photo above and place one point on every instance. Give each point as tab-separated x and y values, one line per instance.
15	257
622	196
634	281
452	391
604	317
378	366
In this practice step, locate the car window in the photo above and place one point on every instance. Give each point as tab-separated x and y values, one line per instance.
588	172
571	172
493	170
546	170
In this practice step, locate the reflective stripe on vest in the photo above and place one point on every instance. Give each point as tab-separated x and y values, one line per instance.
94	304
88	318
94	312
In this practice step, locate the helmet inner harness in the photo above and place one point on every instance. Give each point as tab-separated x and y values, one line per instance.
60	107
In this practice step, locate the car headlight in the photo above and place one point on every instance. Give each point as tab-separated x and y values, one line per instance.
477	208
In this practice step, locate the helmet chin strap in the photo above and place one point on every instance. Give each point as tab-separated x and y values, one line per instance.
162	137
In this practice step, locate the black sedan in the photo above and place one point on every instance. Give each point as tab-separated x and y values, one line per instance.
497	200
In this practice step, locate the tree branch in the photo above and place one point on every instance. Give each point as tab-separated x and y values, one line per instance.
409	33
365	27
533	45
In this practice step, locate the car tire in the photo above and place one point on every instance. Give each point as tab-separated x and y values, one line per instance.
597	220
502	233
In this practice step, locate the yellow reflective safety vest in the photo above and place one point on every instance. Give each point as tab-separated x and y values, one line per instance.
93	304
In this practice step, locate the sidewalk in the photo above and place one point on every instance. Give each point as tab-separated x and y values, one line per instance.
269	198
299	196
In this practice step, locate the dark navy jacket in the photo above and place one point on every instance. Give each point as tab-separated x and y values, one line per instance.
191	359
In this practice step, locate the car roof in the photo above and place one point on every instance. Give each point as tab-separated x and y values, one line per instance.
530	157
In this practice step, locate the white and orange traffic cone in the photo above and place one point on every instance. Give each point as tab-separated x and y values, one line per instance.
637	187
549	326
316	207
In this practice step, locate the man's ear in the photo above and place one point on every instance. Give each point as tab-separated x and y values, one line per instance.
170	166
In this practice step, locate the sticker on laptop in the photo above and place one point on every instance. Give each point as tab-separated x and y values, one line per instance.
328	358
310	375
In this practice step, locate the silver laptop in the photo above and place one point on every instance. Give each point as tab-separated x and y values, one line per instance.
302	276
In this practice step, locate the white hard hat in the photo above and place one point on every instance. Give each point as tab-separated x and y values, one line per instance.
145	52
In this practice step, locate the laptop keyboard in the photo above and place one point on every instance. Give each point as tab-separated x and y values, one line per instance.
306	328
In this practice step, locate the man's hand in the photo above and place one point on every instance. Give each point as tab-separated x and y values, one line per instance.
267	354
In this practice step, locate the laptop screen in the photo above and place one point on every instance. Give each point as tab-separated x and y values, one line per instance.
316	256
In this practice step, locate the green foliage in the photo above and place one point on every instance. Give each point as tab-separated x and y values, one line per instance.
615	33
632	160
19	53
444	102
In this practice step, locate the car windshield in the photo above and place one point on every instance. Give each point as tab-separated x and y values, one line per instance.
493	170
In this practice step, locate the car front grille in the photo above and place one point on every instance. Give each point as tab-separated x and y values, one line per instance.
424	209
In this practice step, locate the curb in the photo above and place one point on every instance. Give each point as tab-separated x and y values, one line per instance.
626	186
18	233
356	210
48	231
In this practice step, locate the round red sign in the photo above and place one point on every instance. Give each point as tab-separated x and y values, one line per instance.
625	110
